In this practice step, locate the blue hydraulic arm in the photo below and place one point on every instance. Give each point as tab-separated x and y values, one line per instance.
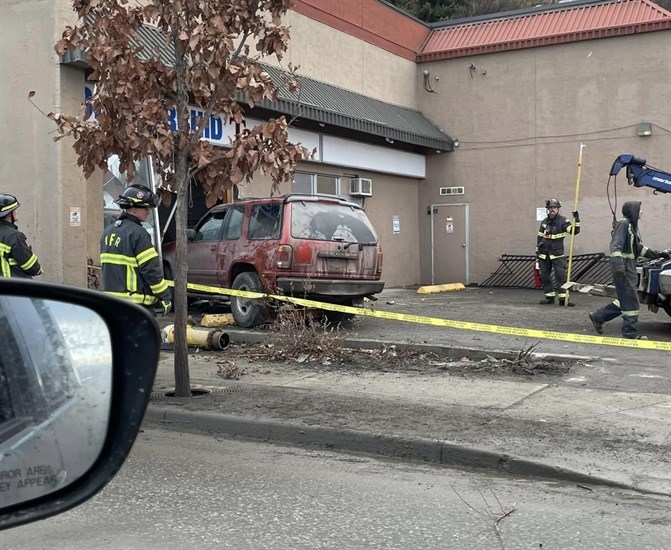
641	175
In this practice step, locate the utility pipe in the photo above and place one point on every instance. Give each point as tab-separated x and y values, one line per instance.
203	338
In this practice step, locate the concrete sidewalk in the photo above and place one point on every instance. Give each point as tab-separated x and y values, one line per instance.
548	427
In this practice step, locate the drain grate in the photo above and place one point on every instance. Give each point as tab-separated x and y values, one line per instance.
196	391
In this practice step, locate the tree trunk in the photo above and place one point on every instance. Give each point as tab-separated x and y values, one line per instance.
182	378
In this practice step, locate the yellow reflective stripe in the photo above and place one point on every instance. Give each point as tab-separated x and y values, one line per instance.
555	257
30	263
557	236
12	261
131	279
8	206
617	254
5	248
159	288
117	259
144	257
644	250
541	234
616	303
142	299
632	313
6	271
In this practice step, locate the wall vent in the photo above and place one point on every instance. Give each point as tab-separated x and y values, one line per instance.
361	187
451	190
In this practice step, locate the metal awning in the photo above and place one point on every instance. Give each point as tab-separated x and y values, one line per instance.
323	107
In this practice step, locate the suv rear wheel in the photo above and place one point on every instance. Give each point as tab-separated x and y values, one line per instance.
248	312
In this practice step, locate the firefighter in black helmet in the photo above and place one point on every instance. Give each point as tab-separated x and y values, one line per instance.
16	258
131	267
550	251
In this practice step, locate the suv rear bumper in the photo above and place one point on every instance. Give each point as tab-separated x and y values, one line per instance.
329	287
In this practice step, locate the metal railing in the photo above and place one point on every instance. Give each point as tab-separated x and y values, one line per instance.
516	271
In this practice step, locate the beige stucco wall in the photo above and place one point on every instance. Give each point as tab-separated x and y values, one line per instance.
42	173
520	117
343	60
394	196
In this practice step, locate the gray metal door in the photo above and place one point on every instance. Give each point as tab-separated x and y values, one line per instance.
449	243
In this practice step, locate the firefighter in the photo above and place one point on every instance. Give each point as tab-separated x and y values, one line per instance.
131	267
17	259
625	249
550	251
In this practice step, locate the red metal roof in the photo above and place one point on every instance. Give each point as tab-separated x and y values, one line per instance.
568	22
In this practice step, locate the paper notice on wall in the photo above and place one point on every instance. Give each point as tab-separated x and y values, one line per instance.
540	214
395	225
449	225
75	216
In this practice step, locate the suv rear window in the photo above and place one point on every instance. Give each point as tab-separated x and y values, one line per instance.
264	223
330	222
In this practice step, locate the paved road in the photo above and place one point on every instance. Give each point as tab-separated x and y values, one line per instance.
182	491
608	416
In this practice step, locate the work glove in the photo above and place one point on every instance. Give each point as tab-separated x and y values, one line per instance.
666	254
167	306
576	216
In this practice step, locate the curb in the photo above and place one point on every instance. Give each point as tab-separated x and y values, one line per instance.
246	337
405	448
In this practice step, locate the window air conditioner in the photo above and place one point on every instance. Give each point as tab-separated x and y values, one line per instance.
361	187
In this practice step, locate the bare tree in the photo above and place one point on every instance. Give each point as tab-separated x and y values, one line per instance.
212	62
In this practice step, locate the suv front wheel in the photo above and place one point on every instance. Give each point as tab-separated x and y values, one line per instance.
248	312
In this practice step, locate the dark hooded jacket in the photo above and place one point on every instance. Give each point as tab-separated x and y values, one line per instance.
625	244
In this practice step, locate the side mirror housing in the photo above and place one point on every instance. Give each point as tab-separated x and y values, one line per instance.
76	373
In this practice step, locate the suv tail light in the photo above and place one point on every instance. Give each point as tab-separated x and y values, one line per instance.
284	255
380	258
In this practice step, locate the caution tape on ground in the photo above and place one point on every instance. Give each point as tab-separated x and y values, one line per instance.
437	322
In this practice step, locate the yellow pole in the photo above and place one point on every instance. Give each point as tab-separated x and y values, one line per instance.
575	207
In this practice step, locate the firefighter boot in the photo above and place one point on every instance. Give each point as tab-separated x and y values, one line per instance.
597	325
547	300
562	302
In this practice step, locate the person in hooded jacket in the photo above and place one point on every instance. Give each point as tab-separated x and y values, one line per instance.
625	249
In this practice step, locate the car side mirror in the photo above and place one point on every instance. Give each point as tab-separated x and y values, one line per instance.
76	372
193	235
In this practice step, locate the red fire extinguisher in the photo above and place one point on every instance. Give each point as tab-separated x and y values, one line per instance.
537	275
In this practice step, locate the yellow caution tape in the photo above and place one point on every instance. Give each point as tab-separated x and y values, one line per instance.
434	321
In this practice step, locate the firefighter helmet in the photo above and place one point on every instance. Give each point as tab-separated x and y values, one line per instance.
137	196
552	202
8	203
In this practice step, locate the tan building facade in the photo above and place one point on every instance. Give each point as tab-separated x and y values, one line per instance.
520	116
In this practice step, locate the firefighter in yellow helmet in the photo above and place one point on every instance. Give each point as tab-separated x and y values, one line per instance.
131	267
17	259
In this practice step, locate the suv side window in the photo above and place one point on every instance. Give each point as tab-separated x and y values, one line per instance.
210	230
264	222
233	228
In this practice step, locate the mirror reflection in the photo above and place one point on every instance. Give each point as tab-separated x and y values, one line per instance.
55	391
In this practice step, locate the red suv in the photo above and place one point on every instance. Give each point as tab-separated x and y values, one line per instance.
312	246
